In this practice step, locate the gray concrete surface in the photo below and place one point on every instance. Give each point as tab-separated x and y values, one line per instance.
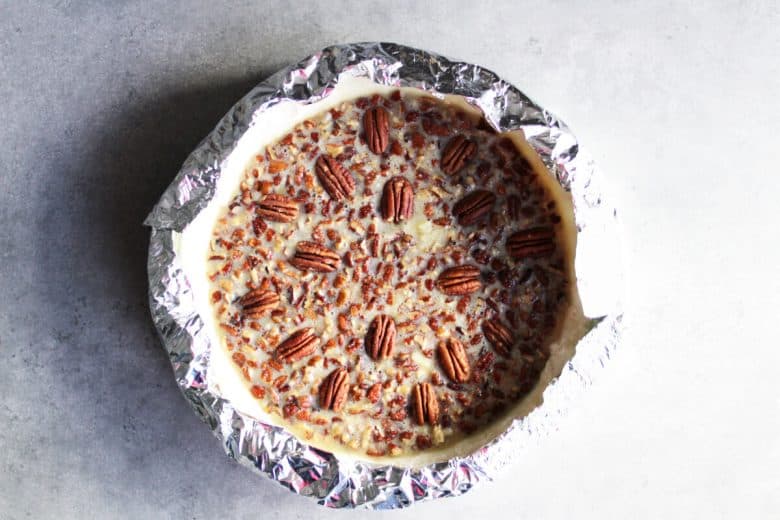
100	102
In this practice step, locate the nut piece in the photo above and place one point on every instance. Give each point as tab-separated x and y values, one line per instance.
298	345
333	390
456	154
397	200
426	405
257	302
376	126
454	361
460	280
513	206
311	256
473	207
530	243
277	208
498	335
380	338
336	180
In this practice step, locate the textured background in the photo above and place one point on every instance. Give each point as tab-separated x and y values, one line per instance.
100	104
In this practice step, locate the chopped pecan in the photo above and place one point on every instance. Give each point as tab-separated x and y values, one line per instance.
298	345
333	390
380	338
454	361
456	154
276	166
530	243
460	280
433	128
513	206
375	392
277	208
498	335
473	207
336	180
397	199
311	256
376	126
258	301
426	404
343	323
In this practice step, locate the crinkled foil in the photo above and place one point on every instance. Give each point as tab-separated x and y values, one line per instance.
271	450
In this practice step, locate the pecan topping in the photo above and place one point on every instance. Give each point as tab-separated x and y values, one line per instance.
336	180
333	390
456	154
311	256
452	356
498	335
258	301
397	200
463	279
426	405
380	338
298	345
376	126
531	242
473	207
277	208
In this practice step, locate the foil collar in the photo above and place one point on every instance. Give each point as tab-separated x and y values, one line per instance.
332	480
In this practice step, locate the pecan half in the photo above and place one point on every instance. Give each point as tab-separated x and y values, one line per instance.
454	361
473	207
333	390
463	279
376	126
311	256
258	301
298	345
456	154
426	405
530	243
397	199
277	208
336	180
498	335
380	338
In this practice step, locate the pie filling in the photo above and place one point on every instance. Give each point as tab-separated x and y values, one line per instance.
391	274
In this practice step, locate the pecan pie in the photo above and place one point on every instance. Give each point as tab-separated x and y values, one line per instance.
390	274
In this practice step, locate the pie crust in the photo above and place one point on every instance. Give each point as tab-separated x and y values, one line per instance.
384	275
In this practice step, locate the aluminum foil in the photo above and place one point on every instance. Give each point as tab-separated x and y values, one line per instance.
331	480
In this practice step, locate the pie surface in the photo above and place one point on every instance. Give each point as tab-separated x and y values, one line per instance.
389	275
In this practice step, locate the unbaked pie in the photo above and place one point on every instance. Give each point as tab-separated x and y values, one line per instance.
392	277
